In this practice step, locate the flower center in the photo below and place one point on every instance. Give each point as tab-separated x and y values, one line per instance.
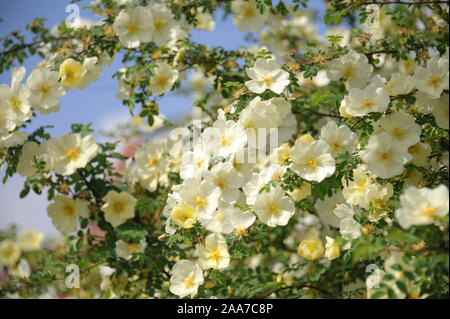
118	207
223	141
221	183
214	255
385	156
132	247
189	282
72	153
15	103
200	201
68	210
434	81
336	145
159	24
413	149
249	12
152	162
348	73
69	74
311	163
430	211
273	208
368	104
45	88
8	252
199	163
132	27
267	79
398	133
162	80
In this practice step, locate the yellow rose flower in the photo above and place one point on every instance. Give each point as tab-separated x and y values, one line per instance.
332	249
310	249
71	73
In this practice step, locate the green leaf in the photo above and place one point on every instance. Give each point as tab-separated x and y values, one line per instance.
402	286
131	232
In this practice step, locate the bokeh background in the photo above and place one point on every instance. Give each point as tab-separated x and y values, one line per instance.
95	104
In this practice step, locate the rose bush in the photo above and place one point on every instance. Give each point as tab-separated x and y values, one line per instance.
310	167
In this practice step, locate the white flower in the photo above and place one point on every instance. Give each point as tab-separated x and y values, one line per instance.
325	208
312	162
354	190
64	212
163	23
441	112
31	152
383	157
258	118
45	90
420	153
204	20
267	74
182	214
320	79
13	139
340	139
221	219
126	250
7	119
30	239
118	207
71	73
133	26
361	102
69	152
421	205
408	66
259	180
353	67
224	137
434	79
202	195
214	253
274	208
23	269
401	127
224	176
399	84
332	250
93	70
163	78
195	163
247	16
152	163
16	99
241	220
186	278
378	195
348	226
9	252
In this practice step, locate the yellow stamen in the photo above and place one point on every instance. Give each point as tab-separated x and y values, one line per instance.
72	153
132	27
68	210
311	163
118	207
434	81
200	201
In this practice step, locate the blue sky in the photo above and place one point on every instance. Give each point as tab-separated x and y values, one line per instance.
97	103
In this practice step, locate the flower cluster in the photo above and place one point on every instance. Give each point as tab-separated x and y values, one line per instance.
304	160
